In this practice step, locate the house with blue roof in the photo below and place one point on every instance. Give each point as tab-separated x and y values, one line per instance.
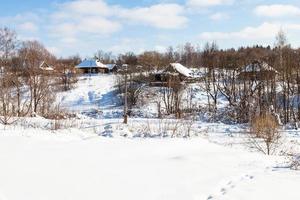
91	66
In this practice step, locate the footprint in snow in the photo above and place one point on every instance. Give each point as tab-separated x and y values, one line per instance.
230	185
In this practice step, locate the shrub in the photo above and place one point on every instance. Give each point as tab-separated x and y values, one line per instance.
264	133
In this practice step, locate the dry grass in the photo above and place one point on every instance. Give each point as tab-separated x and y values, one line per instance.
264	133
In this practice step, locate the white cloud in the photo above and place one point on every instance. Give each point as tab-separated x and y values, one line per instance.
98	25
26	38
28	27
208	3
128	45
219	16
161	49
25	23
81	17
21	18
165	16
265	30
99	17
69	40
277	10
86	7
78	25
263	34
294	27
54	50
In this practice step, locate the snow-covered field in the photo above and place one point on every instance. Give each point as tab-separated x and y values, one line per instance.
61	168
96	159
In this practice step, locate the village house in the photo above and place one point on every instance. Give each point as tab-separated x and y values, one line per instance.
44	66
92	67
173	72
113	67
257	70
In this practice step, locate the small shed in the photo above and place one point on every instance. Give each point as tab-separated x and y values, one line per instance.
92	67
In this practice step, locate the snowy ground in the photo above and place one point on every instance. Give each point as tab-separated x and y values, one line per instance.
92	95
60	168
94	159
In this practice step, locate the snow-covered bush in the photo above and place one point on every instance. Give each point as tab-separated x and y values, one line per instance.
295	162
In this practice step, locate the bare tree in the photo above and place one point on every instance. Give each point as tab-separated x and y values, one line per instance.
8	47
65	72
211	82
151	60
8	44
7	100
172	96
104	57
38	82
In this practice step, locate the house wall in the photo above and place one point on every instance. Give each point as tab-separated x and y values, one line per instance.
93	70
263	75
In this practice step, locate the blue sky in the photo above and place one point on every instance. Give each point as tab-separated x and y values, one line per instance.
68	27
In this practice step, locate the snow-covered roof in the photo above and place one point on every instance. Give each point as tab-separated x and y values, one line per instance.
110	66
158	71
46	67
91	64
182	69
258	67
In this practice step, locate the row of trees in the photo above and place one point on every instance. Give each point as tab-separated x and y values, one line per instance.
247	97
251	96
25	87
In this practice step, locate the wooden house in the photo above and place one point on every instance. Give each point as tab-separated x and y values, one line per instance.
46	67
173	72
257	70
92	67
113	67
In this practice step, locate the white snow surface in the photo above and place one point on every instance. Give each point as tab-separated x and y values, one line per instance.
91	92
50	167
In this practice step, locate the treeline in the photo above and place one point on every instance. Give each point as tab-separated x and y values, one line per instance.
196	57
27	89
30	77
247	97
